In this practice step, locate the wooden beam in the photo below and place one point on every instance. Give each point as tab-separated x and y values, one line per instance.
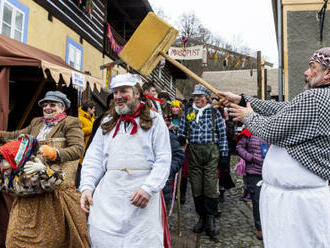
259	77
22	78
124	13
29	107
265	83
263	87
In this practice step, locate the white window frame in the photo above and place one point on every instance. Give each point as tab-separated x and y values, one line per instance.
76	61
12	24
74	47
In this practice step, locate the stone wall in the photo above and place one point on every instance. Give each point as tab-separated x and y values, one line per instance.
303	40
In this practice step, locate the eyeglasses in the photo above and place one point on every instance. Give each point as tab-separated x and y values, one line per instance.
51	104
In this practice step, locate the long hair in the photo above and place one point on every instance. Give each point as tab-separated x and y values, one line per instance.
145	118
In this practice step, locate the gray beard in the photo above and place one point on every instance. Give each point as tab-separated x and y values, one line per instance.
127	109
315	81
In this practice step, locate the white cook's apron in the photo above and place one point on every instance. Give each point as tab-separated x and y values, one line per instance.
113	220
294	204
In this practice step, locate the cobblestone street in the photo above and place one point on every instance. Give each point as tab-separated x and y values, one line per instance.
236	222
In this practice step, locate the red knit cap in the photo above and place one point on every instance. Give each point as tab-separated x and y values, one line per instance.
9	151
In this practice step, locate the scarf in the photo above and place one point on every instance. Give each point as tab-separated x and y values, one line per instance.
129	118
55	120
200	111
153	98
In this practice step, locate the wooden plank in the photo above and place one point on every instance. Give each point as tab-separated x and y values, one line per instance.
80	16
76	20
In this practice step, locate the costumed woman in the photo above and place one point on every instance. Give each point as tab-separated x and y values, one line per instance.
53	219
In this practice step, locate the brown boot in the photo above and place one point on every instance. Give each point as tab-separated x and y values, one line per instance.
259	235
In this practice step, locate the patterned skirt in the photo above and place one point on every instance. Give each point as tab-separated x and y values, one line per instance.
52	220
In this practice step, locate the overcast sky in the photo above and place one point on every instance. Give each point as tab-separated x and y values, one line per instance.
250	21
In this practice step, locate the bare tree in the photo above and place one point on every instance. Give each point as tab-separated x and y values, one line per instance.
189	25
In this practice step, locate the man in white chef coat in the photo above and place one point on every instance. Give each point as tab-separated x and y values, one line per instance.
124	171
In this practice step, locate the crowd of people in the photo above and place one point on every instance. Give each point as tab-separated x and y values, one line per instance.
110	182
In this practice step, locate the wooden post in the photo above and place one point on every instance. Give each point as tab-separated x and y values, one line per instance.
178	198
259	76
265	83
29	107
263	89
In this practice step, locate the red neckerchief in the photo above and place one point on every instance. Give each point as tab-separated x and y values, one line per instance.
245	132
55	120
129	118
153	98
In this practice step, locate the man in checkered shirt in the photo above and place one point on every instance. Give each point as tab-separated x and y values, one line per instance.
295	197
203	127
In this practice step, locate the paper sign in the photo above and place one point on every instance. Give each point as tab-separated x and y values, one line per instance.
78	79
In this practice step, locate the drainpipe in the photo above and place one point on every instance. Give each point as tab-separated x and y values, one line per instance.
280	49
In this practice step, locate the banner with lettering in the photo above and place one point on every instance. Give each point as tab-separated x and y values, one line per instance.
186	53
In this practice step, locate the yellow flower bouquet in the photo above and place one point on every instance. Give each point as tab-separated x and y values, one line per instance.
191	116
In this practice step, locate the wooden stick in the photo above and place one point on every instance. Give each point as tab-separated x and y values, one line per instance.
190	73
178	198
29	107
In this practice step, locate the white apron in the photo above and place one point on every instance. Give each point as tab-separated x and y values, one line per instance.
294	204
114	221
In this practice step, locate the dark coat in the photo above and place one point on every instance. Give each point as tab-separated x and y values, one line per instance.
176	165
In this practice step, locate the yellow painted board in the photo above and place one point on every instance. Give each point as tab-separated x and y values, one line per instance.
152	36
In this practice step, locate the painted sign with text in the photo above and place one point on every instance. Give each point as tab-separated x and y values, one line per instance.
186	53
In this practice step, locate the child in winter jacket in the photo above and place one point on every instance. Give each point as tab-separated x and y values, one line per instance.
253	150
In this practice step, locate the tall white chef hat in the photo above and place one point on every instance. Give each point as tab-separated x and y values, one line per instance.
126	79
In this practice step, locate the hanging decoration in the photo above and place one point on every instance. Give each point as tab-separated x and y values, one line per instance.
239	61
222	59
215	55
184	40
89	7
114	46
226	61
108	78
243	62
204	57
